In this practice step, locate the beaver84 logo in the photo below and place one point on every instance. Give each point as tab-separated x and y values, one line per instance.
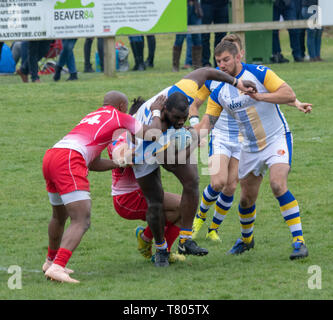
73	9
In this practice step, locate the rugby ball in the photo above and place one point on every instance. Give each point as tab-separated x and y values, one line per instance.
181	138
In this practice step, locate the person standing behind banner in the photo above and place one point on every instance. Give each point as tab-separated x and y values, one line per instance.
216	12
194	16
313	34
66	58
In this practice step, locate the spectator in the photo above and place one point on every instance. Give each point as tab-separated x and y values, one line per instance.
288	10
188	59
87	53
301	31
7	63
214	11
313	34
194	15
36	51
151	41
137	45
66	57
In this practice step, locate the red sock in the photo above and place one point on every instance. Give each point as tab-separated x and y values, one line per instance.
148	234
171	234
51	254
62	257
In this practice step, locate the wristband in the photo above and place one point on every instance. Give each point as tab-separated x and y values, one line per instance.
194	120
157	113
235	84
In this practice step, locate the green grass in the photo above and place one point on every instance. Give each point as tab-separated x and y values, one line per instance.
34	116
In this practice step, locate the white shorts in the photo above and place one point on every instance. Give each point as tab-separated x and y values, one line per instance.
57	200
218	144
279	151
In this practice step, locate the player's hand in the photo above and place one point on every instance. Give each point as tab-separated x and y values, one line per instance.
159	103
247	86
304	107
256	96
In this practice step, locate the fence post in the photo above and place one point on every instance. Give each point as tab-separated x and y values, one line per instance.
110	56
238	17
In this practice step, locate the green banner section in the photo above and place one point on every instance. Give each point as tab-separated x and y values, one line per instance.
173	19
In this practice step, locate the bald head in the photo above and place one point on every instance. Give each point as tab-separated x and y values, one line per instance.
116	99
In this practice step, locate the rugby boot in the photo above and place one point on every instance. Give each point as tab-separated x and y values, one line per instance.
299	250
48	263
212	235
173	257
58	273
145	248
190	247
162	258
240	246
197	225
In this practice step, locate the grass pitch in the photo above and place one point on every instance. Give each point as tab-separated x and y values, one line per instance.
34	116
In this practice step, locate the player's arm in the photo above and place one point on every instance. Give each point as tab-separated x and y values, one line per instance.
153	131
279	92
211	116
202	94
301	106
99	164
203	74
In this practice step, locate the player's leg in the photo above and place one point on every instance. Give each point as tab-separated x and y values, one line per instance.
224	200
65	172
55	232
218	168
152	189
247	212
289	207
133	206
279	163
79	213
56	229
173	218
187	174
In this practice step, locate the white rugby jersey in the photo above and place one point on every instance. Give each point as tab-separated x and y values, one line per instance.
227	126
260	123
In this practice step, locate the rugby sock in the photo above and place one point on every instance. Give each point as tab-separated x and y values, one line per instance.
184	235
147	235
51	254
222	206
247	217
171	234
290	211
161	246
62	257
209	196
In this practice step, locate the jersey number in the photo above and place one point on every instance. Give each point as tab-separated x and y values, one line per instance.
92	120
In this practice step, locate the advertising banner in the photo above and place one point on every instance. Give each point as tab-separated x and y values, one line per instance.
54	19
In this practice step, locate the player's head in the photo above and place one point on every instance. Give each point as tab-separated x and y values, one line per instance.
116	99
234	38
228	57
137	103
176	110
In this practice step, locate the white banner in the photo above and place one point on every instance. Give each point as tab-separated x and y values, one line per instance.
49	19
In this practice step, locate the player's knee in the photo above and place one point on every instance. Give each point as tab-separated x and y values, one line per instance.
246	202
278	188
230	188
155	208
191	185
218	184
